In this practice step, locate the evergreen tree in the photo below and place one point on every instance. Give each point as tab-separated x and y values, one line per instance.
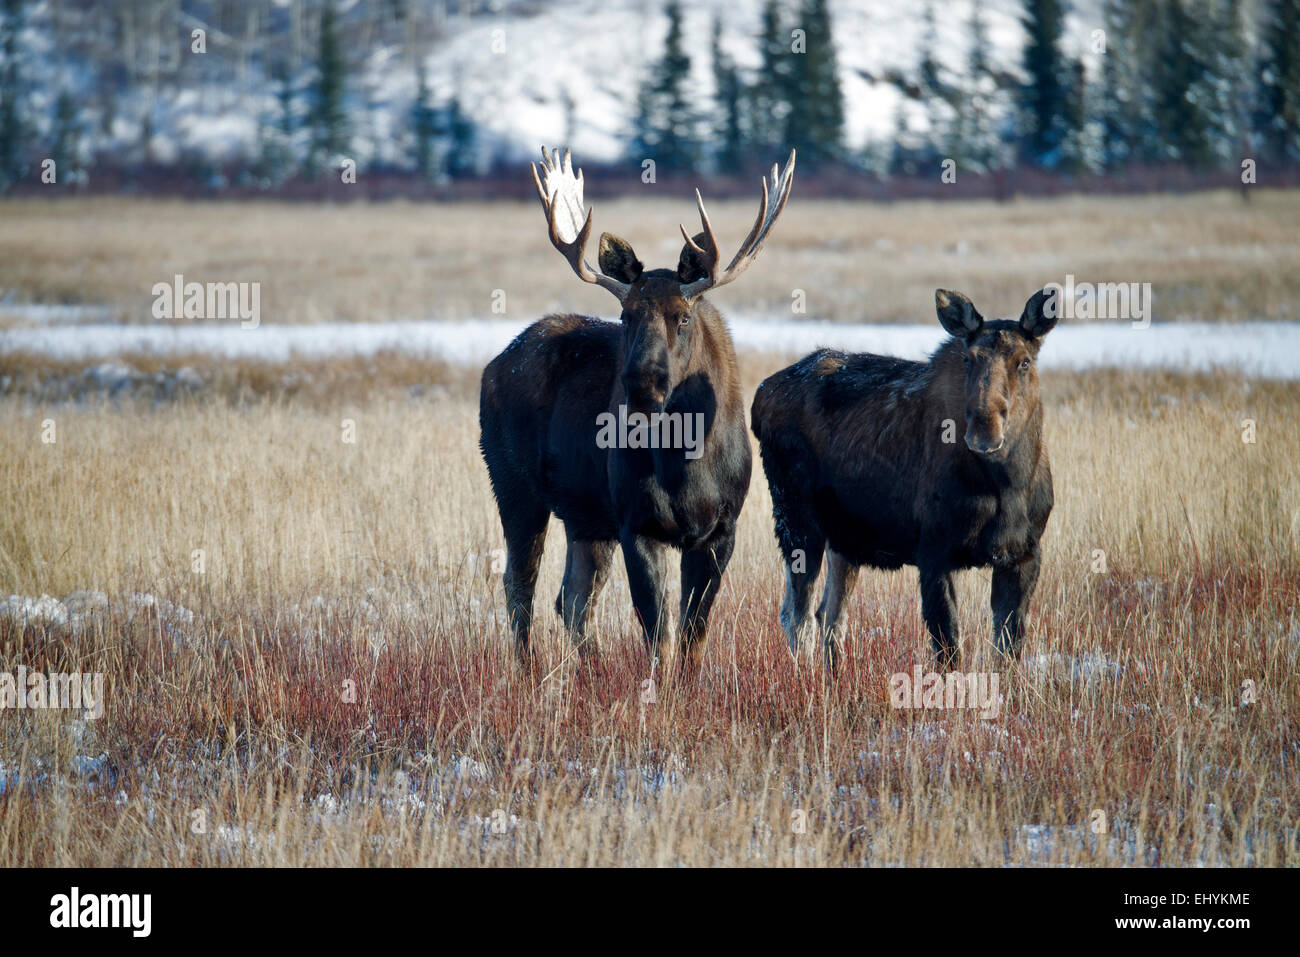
928	69
424	124
899	158
1118	107
940	101
729	133
13	122
329	119
1044	97
67	136
1081	147
1223	93
1145	19
677	144
284	96
462	140
978	143
1278	96
665	115
1196	82
768	94
276	160
642	139
1173	72
815	121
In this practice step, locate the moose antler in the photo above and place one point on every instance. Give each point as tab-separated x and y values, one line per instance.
561	194
773	202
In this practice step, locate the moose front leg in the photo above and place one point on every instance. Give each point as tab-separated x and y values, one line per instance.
702	569
644	558
1013	586
939	609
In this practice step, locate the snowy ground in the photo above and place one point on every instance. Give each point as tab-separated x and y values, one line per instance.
1264	349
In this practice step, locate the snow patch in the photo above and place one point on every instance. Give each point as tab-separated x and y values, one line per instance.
1089	668
81	609
1269	350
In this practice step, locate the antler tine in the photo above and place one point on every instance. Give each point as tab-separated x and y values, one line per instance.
689	241
541	193
709	238
561	186
773	202
781	184
760	225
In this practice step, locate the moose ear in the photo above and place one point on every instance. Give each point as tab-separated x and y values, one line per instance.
1041	312
957	313
617	261
691	266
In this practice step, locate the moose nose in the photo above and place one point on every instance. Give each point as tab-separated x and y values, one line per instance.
983	448
645	388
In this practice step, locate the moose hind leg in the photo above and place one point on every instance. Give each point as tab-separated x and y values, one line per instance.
525	539
586	567
841	576
802	544
803	562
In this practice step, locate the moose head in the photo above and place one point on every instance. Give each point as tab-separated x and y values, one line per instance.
661	307
1001	367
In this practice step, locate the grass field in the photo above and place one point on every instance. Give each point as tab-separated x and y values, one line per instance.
288	573
1207	256
335	686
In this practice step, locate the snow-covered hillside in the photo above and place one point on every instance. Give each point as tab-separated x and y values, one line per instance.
525	73
597	51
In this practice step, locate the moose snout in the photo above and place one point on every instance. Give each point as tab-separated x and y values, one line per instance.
646	387
986	436
984	445
986	427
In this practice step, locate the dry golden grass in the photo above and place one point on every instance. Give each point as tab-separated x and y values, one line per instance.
1207	256
328	562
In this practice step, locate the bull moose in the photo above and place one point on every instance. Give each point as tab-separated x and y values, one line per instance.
676	478
862	458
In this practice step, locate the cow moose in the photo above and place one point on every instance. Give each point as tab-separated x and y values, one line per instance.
862	458
548	400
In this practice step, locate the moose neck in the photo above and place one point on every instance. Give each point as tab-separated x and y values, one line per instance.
715	357
1016	469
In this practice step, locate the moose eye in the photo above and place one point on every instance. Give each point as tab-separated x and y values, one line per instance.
1024	365
683	320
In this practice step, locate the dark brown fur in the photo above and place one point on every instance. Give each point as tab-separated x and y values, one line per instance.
867	462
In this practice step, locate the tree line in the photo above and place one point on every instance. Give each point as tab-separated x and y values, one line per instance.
1192	82
1203	84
